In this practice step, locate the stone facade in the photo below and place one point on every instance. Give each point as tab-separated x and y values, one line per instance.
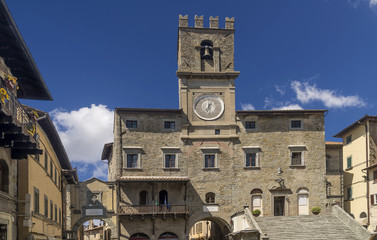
334	173
206	161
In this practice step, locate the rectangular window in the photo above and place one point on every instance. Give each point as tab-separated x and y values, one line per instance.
217	131
210	161
251	160
296	124
51	210
296	158
375	176
169	125
250	125
46	160
349	139
56	175
349	193
170	161
132	160
37	155
349	162
46	206
131	124
36	200
373	199
60	216
59	182
56	214
51	172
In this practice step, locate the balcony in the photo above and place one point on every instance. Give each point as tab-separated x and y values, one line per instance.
17	128
153	210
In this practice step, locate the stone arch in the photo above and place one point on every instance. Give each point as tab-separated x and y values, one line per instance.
168	235
302	190
223	224
256	191
75	227
139	236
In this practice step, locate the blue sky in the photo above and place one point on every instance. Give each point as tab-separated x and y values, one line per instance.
98	55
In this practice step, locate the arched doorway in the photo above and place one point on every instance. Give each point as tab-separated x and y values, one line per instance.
168	236
139	236
89	228
211	228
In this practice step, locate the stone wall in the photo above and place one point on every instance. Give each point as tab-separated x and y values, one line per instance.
231	181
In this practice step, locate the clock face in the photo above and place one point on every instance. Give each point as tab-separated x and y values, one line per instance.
208	106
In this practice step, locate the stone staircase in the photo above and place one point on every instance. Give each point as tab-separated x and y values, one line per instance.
322	227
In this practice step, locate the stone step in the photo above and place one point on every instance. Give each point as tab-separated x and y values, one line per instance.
322	227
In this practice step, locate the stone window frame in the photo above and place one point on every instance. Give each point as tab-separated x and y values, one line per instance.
170	151
296	128
297	149
252	149
169	121
210	151
132	120
250	119
132	150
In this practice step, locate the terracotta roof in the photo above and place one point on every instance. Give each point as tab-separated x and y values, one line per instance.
157	110
355	124
281	111
153	179
334	143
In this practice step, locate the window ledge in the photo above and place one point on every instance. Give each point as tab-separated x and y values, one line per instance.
211	204
350	168
251	168
211	169
297	166
171	169
133	169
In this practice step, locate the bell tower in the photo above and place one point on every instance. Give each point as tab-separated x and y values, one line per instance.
207	78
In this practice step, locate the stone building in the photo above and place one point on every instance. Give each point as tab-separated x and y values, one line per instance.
205	160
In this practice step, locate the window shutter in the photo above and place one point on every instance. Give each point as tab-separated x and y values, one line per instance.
302	158
372	199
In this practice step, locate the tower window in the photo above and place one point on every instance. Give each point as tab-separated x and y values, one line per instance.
206	50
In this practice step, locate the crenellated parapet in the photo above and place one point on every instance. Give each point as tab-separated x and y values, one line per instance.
213	22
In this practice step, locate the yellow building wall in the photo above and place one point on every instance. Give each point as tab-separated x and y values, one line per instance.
33	175
373	208
354	176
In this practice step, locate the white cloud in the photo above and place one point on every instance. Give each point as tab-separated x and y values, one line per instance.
306	93
247	106
289	107
280	90
84	132
372	3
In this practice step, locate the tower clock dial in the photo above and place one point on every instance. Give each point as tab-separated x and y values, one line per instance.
208	107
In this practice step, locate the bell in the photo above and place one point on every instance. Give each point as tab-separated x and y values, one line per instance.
206	54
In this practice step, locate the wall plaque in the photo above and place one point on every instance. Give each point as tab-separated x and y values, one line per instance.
93	211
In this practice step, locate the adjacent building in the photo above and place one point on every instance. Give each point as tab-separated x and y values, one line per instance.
42	183
359	160
19	78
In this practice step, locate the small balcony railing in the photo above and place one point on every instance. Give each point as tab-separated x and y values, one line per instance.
12	107
153	209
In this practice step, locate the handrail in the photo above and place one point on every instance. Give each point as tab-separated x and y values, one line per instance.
152	209
17	110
